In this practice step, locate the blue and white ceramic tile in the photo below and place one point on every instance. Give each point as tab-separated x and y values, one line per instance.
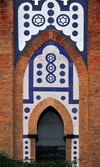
67	17
51	66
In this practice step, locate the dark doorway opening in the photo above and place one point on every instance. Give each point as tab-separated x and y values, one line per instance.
50	145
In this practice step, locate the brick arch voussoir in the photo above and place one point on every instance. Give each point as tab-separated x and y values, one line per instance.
63	112
41	39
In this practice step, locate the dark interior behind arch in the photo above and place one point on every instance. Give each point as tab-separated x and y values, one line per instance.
51	144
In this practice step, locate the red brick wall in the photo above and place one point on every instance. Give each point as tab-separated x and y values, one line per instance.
6	76
94	82
89	84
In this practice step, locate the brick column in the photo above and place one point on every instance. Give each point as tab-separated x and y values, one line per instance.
33	138
68	139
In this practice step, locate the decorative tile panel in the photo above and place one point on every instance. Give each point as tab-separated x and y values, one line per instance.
67	17
51	73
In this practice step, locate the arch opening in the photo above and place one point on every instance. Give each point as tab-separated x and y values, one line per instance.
51	144
59	111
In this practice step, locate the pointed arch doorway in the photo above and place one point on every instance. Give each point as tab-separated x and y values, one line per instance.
19	142
51	144
61	116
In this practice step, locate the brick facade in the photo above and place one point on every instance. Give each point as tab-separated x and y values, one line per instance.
11	83
6	76
94	80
